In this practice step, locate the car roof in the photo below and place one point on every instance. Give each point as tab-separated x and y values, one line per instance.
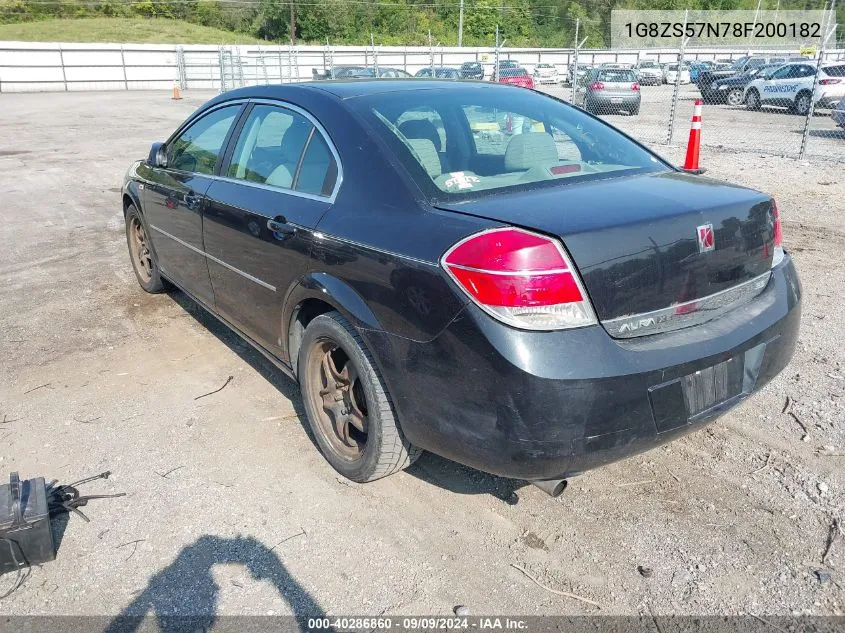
350	88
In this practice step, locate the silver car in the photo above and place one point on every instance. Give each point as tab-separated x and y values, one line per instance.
610	90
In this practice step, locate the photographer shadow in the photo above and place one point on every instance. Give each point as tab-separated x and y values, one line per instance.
184	595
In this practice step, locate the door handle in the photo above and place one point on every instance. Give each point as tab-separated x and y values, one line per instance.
191	200
280	226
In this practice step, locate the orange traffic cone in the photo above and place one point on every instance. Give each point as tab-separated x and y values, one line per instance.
694	144
176	93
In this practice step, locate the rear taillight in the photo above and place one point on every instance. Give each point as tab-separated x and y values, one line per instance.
597	85
777	256
635	86
521	278
827	82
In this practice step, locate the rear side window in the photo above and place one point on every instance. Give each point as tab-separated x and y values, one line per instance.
281	148
199	146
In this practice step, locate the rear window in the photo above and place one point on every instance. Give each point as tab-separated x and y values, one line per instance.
835	71
617	76
464	143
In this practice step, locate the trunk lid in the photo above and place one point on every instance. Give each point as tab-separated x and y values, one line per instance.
635	242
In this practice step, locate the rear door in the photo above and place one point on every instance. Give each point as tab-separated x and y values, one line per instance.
279	177
175	196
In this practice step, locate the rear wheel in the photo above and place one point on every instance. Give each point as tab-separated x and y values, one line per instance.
802	103
752	100
349	410
735	97
140	253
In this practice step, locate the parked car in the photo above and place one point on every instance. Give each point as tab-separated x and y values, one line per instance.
546	74
506	335
359	72
607	91
838	114
439	72
731	90
649	72
697	67
707	78
516	77
583	70
472	70
670	76
791	86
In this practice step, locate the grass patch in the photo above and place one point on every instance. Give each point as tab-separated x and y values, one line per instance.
121	30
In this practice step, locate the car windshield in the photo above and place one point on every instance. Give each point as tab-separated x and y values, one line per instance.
469	142
648	65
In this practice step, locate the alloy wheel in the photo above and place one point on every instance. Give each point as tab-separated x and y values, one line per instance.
735	97
802	104
141	256
337	395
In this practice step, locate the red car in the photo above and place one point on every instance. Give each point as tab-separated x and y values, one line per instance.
516	76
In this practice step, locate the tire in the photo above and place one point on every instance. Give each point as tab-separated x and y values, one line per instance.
734	97
752	100
143	259
802	104
377	447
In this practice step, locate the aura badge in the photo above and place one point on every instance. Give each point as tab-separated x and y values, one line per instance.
706	240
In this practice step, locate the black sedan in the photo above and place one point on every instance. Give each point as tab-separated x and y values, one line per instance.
731	90
472	70
439	72
530	299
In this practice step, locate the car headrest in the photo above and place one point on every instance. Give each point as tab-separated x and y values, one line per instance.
421	128
427	155
280	177
530	149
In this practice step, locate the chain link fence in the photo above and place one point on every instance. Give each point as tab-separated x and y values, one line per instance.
770	102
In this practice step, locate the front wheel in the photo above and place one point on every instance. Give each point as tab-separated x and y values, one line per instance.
348	408
141	254
734	97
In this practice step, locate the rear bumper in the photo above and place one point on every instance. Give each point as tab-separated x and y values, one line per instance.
614	103
543	405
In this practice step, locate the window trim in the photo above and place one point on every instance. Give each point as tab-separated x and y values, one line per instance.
316	125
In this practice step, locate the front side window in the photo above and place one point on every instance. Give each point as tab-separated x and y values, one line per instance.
517	141
198	147
282	148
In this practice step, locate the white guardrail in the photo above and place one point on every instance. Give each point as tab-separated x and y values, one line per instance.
40	67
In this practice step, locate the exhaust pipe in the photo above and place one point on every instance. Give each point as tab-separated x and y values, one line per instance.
552	487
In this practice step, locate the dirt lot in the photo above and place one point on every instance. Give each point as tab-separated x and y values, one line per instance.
231	509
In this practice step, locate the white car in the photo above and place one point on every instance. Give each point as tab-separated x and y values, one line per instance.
791	86
649	72
546	74
670	75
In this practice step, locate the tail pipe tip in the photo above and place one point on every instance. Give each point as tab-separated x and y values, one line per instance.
552	487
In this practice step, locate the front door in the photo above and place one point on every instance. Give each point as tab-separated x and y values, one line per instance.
277	184
175	195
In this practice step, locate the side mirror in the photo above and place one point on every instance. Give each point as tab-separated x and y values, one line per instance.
157	156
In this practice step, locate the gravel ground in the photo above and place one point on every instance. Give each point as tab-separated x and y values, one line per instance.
231	510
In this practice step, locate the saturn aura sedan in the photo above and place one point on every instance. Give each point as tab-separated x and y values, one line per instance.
531	301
